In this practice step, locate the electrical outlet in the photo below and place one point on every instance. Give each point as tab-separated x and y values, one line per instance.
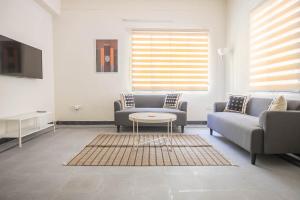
76	107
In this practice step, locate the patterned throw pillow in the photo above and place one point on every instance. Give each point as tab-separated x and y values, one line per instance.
127	101
172	100
236	103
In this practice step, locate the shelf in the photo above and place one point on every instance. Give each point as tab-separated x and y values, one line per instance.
21	131
25	132
25	116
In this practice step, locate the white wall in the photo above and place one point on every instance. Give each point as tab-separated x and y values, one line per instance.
27	22
237	63
82	22
53	6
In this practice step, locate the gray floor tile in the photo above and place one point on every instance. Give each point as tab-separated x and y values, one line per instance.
37	172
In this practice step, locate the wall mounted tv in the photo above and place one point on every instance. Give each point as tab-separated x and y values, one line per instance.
18	59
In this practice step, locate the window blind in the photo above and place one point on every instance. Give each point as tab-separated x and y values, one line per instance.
275	46
169	60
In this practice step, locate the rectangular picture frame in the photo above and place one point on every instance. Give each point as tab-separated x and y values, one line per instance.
107	55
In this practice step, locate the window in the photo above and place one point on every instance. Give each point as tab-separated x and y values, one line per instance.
169	60
275	46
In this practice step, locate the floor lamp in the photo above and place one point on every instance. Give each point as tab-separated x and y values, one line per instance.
222	52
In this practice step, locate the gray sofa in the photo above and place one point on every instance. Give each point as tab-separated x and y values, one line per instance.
149	103
259	131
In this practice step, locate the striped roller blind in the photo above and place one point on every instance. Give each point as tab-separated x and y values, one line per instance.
169	60
275	46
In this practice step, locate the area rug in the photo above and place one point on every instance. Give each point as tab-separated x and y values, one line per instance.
118	150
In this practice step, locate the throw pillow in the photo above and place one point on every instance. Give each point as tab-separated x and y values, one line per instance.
172	100
278	104
236	103
127	101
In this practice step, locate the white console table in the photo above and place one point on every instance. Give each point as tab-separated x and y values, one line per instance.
21	132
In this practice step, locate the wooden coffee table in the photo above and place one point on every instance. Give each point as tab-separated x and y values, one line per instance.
152	118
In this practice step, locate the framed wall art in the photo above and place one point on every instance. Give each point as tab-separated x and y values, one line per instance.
107	55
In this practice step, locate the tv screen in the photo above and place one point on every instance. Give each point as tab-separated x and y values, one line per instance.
18	59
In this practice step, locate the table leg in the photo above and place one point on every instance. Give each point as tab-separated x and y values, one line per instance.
133	133
137	133
168	138
54	128
35	121
20	134
54	123
171	135
6	126
168	129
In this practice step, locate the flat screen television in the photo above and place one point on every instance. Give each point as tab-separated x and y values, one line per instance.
18	59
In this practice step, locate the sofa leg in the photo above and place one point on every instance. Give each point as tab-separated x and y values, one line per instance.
118	128
211	131
253	158
182	129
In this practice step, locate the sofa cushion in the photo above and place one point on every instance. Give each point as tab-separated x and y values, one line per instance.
121	117
256	106
160	110
293	105
242	129
149	101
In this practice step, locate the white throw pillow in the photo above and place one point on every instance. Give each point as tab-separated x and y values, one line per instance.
278	104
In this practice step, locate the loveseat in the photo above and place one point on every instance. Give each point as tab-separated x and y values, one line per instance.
259	131
149	103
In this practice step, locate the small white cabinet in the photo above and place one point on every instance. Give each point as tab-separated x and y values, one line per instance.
38	120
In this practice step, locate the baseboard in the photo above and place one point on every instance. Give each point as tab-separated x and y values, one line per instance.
197	122
85	123
112	122
291	158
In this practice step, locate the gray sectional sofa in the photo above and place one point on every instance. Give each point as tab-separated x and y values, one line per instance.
149	103
259	131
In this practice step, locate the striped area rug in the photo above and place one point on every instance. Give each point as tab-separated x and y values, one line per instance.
118	150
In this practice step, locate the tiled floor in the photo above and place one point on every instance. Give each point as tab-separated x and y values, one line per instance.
36	172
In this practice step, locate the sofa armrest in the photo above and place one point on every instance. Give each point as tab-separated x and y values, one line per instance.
281	131
117	105
182	106
219	106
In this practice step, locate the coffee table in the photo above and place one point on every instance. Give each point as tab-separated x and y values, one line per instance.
152	118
